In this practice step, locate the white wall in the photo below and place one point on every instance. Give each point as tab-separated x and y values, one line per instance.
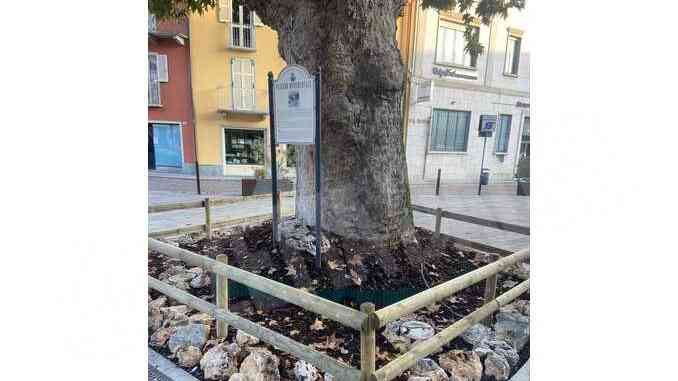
486	94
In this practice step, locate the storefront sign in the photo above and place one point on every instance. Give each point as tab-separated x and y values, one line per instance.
424	91
447	72
294	106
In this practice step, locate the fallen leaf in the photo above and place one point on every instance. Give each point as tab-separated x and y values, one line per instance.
355	278
317	325
291	270
356	260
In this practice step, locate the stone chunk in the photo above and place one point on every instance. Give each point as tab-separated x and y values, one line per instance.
219	363
260	365
188	356
245	340
496	367
190	334
462	365
304	371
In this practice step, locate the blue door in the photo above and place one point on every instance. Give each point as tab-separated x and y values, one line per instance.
167	145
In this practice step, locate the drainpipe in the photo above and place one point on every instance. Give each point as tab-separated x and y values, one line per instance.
195	123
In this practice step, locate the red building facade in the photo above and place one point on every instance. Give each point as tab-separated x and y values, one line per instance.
171	143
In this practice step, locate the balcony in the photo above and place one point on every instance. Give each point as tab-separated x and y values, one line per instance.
242	102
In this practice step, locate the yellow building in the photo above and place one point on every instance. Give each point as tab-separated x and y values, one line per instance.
231	55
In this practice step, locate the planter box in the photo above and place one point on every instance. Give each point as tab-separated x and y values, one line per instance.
263	186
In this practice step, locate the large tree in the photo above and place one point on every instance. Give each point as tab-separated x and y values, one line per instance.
364	173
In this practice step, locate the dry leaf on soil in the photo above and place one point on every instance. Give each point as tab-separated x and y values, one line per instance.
355	277
317	325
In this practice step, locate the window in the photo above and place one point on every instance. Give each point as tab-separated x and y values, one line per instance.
153	81
167	145
449	130
242	71
244	147
450	46
503	133
525	138
512	59
152	23
242	29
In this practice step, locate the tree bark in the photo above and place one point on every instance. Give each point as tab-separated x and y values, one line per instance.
365	191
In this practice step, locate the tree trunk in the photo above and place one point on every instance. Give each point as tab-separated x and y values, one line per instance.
365	191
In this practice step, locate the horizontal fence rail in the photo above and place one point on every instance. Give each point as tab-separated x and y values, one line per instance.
433	344
474	220
444	290
157	208
214	225
321	360
335	311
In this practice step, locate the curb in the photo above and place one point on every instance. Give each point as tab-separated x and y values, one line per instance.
523	374
167	368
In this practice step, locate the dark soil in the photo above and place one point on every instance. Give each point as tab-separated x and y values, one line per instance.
348	265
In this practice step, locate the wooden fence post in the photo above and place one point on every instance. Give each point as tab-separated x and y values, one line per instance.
439	218
490	294
367	343
208	218
222	297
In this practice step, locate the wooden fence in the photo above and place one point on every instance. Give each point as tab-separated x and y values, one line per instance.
367	320
209	226
440	214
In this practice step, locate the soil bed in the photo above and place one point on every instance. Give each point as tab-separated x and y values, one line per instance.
358	270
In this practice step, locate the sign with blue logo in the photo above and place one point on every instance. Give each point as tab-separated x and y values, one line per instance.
488	123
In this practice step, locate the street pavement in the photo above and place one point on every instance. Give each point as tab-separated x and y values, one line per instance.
496	202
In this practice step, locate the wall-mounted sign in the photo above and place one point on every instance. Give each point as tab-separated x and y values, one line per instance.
522	104
294	106
424	92
488	123
447	72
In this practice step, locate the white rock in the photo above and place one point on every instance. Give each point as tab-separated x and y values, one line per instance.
462	365
201	318
191	334
155	305
245	340
427	369
155	320
403	334
328	377
236	377
159	338
496	366
188	356
219	363
476	334
513	324
260	365
200	278
499	347
303	371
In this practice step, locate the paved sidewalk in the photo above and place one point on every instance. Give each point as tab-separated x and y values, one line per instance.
497	202
504	208
186	217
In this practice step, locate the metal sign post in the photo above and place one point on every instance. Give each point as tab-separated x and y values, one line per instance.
294	107
274	165
485	129
318	236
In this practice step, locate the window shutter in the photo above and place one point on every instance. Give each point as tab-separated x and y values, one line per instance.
163	71
236	81
153	84
225	10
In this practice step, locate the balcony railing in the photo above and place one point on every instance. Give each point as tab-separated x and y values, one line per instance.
252	102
